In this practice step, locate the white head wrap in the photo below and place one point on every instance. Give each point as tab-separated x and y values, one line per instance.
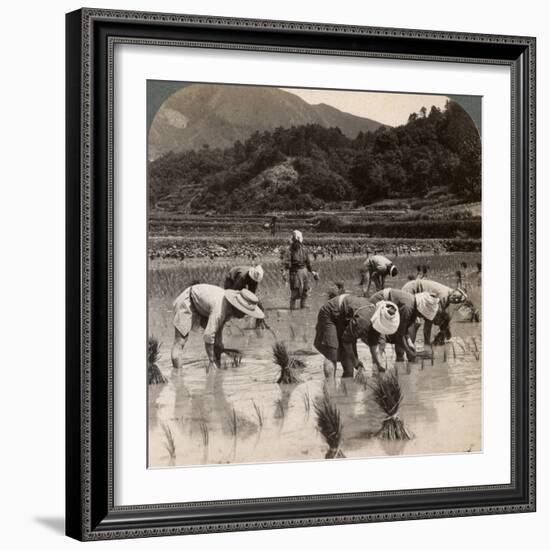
385	319
458	295
427	304
297	235
256	273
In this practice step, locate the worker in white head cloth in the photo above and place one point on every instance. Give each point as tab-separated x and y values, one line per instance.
249	277
411	306
298	265
376	268
447	297
345	319
241	276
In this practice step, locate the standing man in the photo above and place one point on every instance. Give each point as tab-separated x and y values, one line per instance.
209	307
273	225
298	265
423	305
377	268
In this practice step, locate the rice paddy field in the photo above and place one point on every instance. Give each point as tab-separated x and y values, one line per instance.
240	414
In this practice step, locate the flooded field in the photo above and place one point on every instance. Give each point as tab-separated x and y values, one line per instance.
239	414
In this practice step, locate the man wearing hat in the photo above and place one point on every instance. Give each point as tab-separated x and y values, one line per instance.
298	266
446	295
411	307
342	321
209	307
377	268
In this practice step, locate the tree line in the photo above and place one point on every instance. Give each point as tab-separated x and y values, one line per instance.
311	167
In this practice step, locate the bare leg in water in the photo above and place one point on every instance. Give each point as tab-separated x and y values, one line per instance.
177	349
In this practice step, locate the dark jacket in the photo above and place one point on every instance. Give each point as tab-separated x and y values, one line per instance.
238	278
406	304
298	258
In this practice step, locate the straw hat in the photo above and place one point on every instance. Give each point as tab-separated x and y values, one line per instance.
245	301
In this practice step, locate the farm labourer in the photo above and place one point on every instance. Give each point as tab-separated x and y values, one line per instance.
446	295
240	277
209	307
410	306
377	268
298	265
346	318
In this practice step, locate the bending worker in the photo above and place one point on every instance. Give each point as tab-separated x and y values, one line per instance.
346	318
298	265
209	307
240	277
446	295
411	307
377	268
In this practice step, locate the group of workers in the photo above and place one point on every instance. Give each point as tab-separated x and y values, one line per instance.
389	315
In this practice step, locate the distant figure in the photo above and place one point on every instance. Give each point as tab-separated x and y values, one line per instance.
423	305
273	225
299	267
209	307
377	268
345	319
446	295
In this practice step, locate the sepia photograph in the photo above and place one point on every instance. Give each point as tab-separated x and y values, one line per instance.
314	274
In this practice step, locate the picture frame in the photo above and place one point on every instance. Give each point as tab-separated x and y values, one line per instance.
91	512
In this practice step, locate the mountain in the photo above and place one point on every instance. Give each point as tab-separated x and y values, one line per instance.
218	115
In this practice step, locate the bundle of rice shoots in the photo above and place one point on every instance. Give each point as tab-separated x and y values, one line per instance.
388	396
154	376
287	363
235	356
330	425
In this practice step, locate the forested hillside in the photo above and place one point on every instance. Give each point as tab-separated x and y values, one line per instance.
310	167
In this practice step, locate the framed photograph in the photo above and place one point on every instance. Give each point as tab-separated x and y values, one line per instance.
300	274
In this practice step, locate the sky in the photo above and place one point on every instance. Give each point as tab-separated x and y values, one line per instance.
392	109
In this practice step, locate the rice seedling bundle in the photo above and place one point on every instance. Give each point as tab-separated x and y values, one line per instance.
288	364
235	357
154	376
329	425
388	396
